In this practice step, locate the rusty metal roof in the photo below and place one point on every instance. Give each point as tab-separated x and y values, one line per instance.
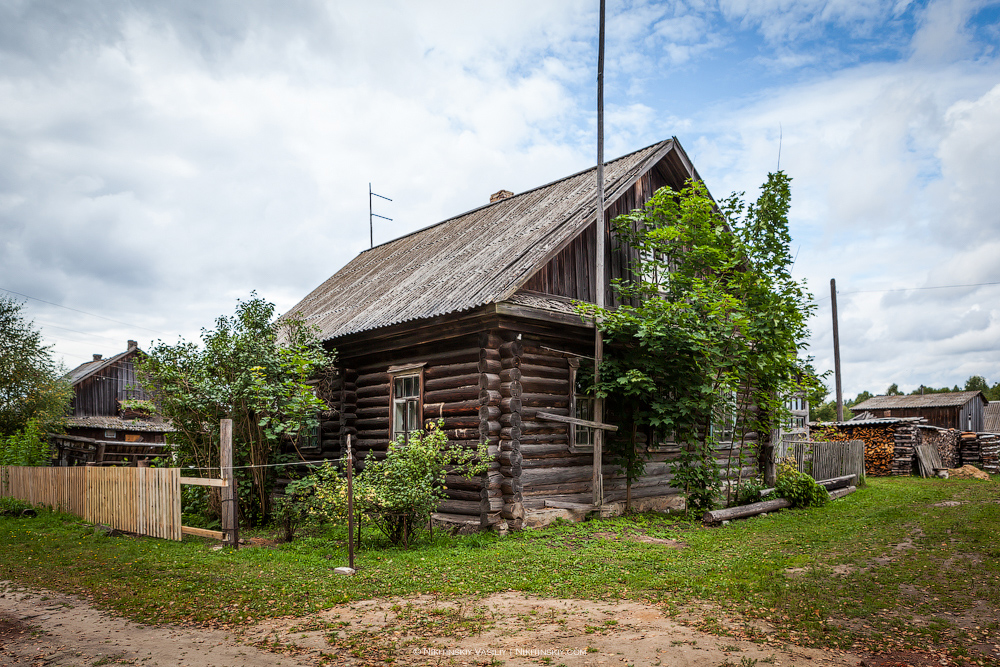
480	257
951	399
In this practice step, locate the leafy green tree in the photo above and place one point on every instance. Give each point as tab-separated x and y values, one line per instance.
713	324
400	491
977	383
893	390
249	369
32	388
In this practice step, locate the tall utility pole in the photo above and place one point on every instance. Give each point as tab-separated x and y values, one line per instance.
371	226
836	350
598	477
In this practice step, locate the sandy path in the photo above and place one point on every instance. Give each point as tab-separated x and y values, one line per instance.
42	628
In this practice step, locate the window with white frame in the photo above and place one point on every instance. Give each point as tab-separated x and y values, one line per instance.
406	403
581	403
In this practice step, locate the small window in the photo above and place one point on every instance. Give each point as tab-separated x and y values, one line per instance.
406	408
111	434
724	419
581	403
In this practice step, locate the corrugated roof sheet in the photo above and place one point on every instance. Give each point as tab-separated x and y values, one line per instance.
991	417
88	368
870	422
946	400
473	259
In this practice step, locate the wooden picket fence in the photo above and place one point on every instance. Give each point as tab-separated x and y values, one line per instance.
146	501
825	460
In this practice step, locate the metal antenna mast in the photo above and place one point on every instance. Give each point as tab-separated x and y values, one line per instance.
371	226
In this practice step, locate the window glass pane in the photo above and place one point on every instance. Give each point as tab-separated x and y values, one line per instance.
412	421
399	418
397	387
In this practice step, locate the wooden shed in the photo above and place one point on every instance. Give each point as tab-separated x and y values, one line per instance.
961	410
98	431
471	321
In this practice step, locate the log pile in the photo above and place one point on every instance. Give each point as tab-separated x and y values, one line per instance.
968	449
881	447
989	451
905	438
945	440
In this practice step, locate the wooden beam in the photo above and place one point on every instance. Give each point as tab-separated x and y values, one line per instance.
201	532
204	481
573	420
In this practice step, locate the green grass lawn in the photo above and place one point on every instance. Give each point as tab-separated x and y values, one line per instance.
883	567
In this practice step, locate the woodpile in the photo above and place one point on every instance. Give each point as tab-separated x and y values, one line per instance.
945	440
968	449
882	447
989	451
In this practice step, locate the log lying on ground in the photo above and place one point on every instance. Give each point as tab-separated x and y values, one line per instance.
828	484
743	511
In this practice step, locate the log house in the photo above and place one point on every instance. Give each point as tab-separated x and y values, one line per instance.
470	321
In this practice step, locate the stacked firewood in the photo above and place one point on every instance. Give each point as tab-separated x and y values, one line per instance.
968	448
905	439
880	448
989	450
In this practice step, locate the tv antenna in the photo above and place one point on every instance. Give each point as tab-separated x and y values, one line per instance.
371	226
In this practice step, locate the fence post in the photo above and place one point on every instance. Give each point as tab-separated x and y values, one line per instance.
229	490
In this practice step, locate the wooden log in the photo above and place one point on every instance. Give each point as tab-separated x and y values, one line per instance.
511	470
545	385
513	512
510	362
742	511
364	424
454	395
510	404
435	410
556	373
490	340
510	419
543	427
556	461
557	489
490	397
511	389
465	421
348	417
462	434
488	428
373	434
543	360
466	507
510	375
373	401
466	483
488	354
451	370
372	379
490	365
512	348
450	355
451	382
530	412
840	493
548	438
536	476
490	412
489	381
511	485
543	450
544	401
490	504
512	458
463	494
368	413
373	390
510	433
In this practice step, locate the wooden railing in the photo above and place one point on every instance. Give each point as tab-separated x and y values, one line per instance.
146	501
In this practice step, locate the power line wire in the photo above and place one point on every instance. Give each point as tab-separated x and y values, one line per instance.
59	305
907	289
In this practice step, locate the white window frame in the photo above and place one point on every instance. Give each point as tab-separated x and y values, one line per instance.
411	401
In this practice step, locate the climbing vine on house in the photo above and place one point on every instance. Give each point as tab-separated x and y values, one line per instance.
716	327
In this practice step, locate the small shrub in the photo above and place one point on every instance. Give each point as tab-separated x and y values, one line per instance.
799	488
29	447
13	507
749	491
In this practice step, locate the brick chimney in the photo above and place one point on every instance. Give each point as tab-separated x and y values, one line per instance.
502	194
98	357
132	345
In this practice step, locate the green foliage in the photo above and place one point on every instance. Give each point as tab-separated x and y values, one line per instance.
28	447
248	369
137	405
401	490
749	491
799	488
13	506
712	323
31	383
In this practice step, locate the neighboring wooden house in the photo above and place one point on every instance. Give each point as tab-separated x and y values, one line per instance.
962	410
991	417
471	321
98	430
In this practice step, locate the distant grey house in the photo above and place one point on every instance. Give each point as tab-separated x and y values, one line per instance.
962	410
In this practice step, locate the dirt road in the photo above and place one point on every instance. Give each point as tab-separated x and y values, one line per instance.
43	628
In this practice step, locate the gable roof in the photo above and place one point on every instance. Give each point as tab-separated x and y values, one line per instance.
89	368
952	399
480	257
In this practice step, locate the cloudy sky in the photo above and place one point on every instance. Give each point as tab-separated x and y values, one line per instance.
162	159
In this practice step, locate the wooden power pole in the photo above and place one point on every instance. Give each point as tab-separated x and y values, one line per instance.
598	477
836	350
